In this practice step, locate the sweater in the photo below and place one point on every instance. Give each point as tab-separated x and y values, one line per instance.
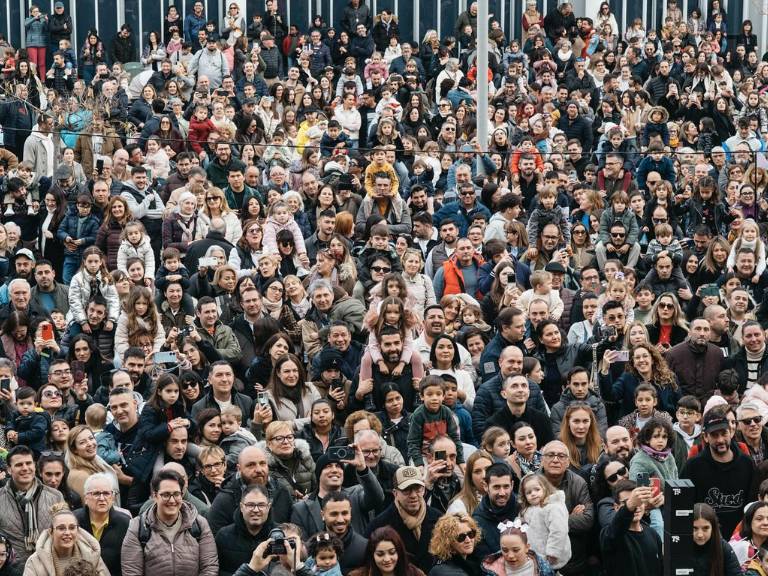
426	426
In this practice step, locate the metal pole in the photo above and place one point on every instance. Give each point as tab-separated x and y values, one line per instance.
482	74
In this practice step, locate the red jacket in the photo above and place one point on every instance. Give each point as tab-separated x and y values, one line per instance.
453	278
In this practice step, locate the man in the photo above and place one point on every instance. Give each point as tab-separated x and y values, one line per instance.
209	62
387	202
122	48
214	332
489	400
20	293
364	497
337	520
145	205
463	209
573	123
618	444
547	247
193	23
750	362
658	87
434	326
578	390
339	338
219	168
511	332
738	313
618	245
719	334
398	65
175	451
252	524
214	237
751	431
449	236
134	363
252	469
320	54
459	274
441	480
99	518
384	28
555	464
630	546
321	239
39	149
516	393
22	521
327	307
373	446
191	550
498	505
236	192
356	12
48	295
746	271
243	327
467	18
614	177
59	27
408	509
722	476
697	362
221	379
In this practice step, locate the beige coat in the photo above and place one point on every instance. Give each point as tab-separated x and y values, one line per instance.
41	562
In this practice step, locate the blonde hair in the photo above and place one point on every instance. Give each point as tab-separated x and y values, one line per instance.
96	416
539	277
276	427
445	531
545	484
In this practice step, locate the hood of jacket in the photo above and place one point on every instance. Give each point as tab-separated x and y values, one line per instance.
87	545
487	511
662	110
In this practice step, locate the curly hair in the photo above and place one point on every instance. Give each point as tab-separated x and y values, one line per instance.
646	432
445	532
661	375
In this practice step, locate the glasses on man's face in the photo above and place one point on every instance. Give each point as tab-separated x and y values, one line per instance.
100	494
467	193
60	373
556	456
381	269
251	506
213	465
449	129
653	181
281	439
168	496
371	452
617	234
659	220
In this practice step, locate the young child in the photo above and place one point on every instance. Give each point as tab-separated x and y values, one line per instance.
77	232
430	420
163	413
472	317
277	151
618	210
280	218
656	127
333	138
526	147
156	159
92	278
654	456
749	238
646	399
580	332
497	443
644	298
70	56
27	427
688	416
106	445
423	175
200	127
376	63
541	282
543	509
234	438
174	44
547	212
392	314
617	289
325	551
515	555
171	270
665	244
136	244
59	320
451	399
379	164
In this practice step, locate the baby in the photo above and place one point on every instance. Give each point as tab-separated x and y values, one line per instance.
27	427
541	282
280	218
234	438
106	446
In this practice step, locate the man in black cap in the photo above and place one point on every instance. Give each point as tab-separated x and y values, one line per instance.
365	497
722	474
330	381
339	336
559	278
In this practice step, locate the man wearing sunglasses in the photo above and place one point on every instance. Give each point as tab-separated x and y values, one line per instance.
751	431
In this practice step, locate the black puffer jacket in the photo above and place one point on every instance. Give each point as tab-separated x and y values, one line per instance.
228	499
235	544
111	538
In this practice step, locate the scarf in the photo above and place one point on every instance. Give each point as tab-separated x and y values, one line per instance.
301	308
274	308
187	225
658	455
413	523
26	503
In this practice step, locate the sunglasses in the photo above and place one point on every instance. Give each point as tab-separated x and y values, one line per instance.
464	535
188	385
753	420
617	234
383	269
666	305
212	198
615	476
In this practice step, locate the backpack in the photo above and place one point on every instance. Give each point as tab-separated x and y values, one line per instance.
145	531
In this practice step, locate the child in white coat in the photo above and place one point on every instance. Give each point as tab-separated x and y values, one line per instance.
543	509
136	244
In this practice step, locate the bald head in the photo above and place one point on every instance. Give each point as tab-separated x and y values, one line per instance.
252	466
618	442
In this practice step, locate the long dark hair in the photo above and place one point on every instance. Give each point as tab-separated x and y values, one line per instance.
387	534
703	511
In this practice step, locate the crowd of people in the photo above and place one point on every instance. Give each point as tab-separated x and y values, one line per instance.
270	305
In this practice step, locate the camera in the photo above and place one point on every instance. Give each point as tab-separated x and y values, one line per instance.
277	546
339	453
185	331
608	332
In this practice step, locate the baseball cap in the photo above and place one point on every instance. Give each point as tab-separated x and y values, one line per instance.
58	5
714	421
26	252
330	359
407	476
555	267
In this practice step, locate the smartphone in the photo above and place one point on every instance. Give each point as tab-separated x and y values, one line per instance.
100	165
78	371
5	384
165	358
47	331
209	262
643	479
622	356
149	174
262	399
656	486
440	455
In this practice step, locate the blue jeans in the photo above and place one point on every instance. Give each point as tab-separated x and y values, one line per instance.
71	265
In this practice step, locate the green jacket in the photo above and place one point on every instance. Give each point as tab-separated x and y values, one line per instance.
223	339
641	462
248	193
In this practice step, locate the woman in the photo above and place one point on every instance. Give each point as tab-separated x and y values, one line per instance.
91	55
208	422
36	37
247	252
290	395
445	359
453	542
49	245
216	206
753	535
713	265
646	364
579	432
474	487
419	285
83	460
171	139
49	399
199	358
325	268
275	305
557	357
141	109
212	467
504	291
607	473
190	383
668	326
259	372
53	472
385	555
26	76
321	431
395	419
16	336
526	456
87	361
63	545
326	200
345	263
180	228
582	251
289	459
117	215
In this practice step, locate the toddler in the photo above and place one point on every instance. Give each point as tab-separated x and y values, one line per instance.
136	244
325	551
234	438
280	218
106	446
77	232
430	420
654	456
200	127
156	159
541	282
665	244
379	164
27	427
171	270
547	212
543	509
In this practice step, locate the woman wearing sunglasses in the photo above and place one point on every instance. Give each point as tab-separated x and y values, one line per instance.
453	542
668	326
607	472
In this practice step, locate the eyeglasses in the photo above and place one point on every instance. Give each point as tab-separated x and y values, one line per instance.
60	373
251	506
213	465
653	181
464	535
556	456
659	220
276	288
381	269
617	234
666	305
467	193
749	421
168	496
579	232
448	129
286	243
615	476
281	439
51	394
371	452
101	495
